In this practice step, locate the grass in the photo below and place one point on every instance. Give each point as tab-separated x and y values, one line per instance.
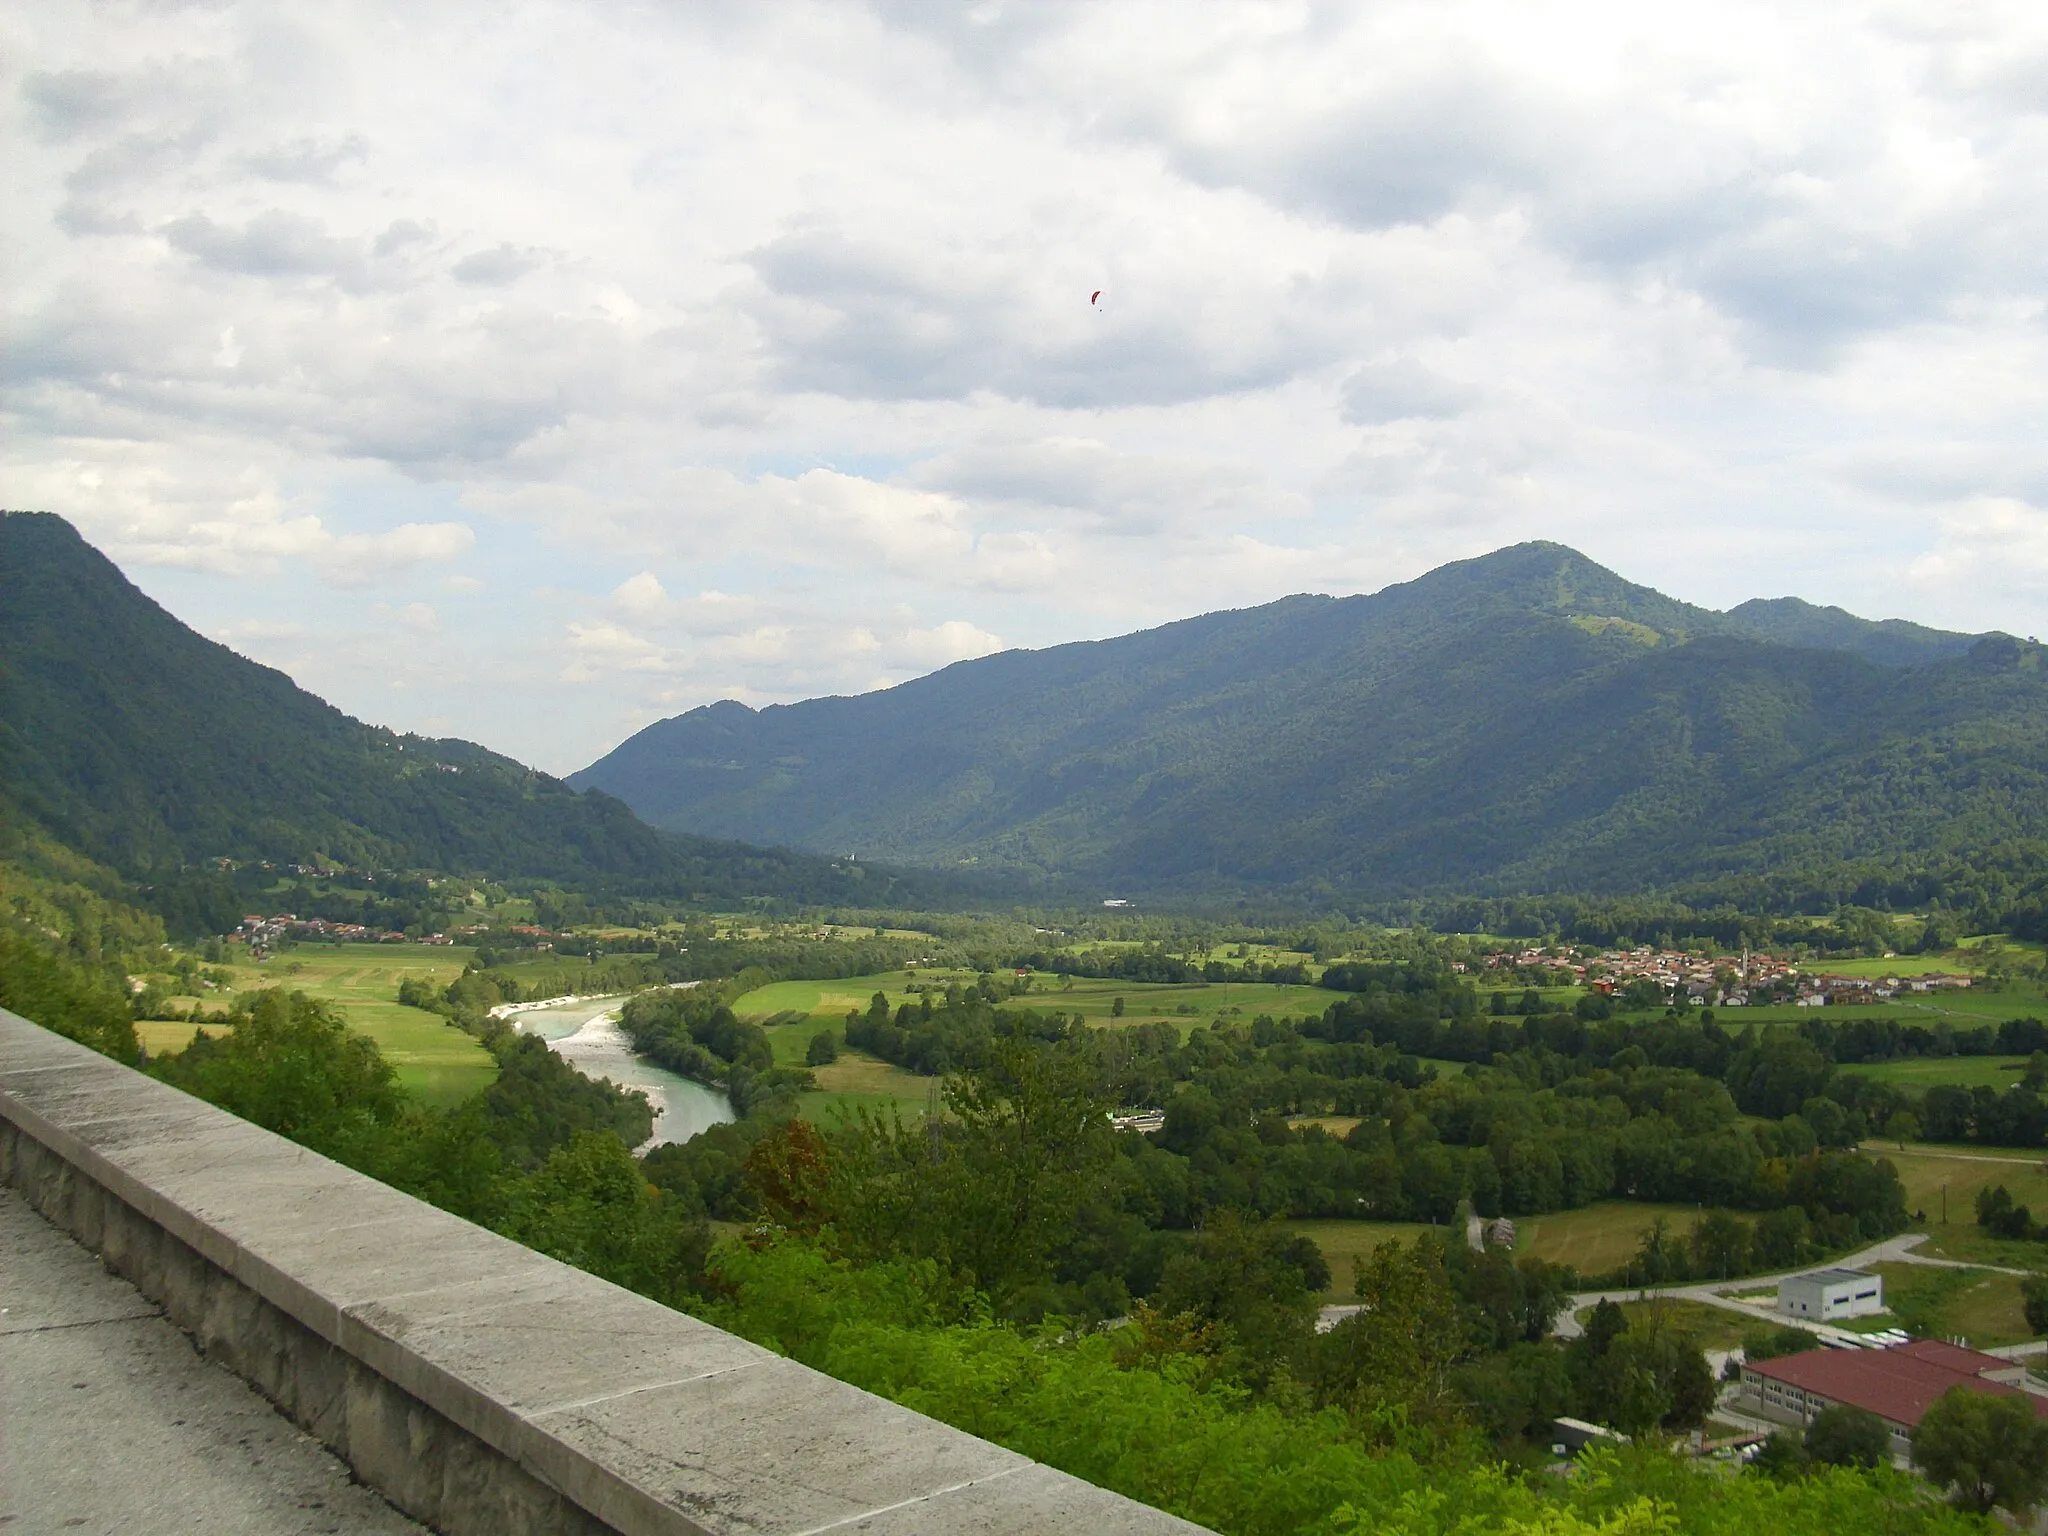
858	1080
434	1061
1594	1239
1979	1306
1926	1071
827	1002
1597	1238
1708	1327
1924	1169
1965	1009
1339	1126
1343	1242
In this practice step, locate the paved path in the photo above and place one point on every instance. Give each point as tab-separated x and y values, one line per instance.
112	1425
1893	1250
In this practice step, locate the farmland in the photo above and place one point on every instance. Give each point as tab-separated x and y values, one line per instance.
1919	1072
1593	1239
1184	1005
433	1060
793	1011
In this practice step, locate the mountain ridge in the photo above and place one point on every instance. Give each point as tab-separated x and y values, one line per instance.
150	749
1527	716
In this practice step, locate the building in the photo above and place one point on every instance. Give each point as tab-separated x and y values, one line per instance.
1827	1294
1898	1384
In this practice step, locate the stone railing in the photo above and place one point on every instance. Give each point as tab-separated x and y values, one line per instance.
480	1386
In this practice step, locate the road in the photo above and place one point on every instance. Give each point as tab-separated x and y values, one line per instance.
1893	1250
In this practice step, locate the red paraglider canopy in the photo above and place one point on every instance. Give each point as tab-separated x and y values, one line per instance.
1094	296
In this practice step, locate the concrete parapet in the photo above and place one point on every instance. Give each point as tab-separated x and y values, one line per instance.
478	1385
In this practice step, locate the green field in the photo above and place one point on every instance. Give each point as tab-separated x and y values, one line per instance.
1925	1071
1966	1010
1343	1242
1594	1239
1708	1327
433	1059
1925	1169
858	1081
827	1002
793	1011
1599	1237
1979	1306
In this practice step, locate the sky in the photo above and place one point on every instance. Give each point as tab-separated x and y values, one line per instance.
532	372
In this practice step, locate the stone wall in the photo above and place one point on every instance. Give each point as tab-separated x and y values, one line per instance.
482	1387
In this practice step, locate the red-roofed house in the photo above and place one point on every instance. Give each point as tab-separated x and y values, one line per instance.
1898	1384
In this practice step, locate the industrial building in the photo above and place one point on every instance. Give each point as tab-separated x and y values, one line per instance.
1898	1384
1825	1295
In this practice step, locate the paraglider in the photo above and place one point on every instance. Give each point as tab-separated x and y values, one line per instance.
1094	296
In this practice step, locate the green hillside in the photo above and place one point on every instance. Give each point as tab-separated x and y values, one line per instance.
1524	721
149	749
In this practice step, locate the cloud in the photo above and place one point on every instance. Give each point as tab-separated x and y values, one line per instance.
360	559
1397	388
494	268
943	644
1125	493
601	647
312	162
274	243
755	343
640	596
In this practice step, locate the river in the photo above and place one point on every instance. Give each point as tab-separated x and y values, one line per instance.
586	1034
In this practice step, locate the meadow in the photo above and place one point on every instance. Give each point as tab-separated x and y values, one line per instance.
433	1059
1979	1306
822	1003
1708	1327
1922	1072
793	1011
1593	1239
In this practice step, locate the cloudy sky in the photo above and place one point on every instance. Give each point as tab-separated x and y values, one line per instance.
532	372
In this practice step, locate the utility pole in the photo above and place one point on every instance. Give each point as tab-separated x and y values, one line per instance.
1944	1202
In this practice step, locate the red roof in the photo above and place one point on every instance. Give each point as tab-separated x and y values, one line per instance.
1899	1383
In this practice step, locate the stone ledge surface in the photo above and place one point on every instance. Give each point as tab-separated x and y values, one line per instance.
643	1420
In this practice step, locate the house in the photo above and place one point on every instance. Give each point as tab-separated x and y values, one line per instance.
1500	1233
1824	1295
1898	1384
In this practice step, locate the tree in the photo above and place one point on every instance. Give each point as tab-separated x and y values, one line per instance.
61	995
992	1189
1770	1343
1783	1237
1404	1337
1986	1450
1116	1007
1845	1436
2034	1298
1720	1245
823	1049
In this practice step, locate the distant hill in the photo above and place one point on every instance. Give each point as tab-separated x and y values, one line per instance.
1891	642
1525	721
148	748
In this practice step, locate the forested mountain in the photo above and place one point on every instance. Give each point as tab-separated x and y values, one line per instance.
1524	721
150	749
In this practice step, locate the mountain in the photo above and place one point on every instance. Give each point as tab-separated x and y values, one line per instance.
1891	642
1524	721
130	739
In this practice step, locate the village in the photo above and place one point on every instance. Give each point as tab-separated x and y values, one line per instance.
1716	981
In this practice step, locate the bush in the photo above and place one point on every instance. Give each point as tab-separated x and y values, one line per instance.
823	1049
